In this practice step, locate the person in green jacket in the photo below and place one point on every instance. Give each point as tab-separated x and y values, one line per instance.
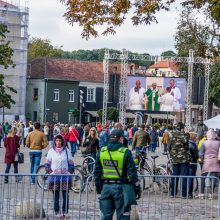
115	171
151	98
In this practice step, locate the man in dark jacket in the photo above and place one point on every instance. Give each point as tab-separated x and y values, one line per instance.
114	169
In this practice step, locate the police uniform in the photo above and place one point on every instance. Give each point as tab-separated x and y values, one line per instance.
115	167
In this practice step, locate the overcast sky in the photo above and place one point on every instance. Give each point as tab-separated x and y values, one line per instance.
46	20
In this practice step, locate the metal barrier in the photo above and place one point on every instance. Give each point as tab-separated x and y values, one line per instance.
19	199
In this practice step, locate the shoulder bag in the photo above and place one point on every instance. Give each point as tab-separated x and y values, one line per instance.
129	196
19	157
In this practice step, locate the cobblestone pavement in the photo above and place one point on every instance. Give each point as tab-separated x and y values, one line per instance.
154	204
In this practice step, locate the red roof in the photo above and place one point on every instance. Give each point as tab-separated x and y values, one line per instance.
67	69
165	64
6	4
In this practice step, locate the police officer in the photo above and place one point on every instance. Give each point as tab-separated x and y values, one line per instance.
114	168
180	158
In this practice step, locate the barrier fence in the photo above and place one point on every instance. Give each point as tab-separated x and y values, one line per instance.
163	197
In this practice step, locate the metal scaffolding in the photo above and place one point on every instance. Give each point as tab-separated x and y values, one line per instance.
123	87
189	90
125	57
206	90
15	15
106	87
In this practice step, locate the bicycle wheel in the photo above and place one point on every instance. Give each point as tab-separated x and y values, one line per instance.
142	180
88	165
78	180
195	184
163	181
42	181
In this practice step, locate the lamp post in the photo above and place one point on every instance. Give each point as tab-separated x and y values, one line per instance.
80	105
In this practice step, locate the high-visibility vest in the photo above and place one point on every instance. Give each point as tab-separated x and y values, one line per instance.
109	171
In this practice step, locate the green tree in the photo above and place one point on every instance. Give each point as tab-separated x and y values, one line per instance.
112	14
168	53
199	36
6	54
214	85
112	113
38	47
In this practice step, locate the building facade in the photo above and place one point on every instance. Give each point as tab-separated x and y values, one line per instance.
14	14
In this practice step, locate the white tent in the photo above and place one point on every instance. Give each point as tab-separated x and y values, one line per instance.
213	122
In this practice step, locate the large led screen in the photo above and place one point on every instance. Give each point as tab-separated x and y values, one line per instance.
156	93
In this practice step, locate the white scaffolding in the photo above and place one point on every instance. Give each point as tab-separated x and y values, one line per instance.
125	57
15	15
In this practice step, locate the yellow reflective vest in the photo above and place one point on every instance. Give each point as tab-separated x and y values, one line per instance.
109	171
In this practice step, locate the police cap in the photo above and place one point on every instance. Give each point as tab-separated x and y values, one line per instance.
116	134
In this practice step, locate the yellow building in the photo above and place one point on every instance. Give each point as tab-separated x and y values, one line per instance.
164	68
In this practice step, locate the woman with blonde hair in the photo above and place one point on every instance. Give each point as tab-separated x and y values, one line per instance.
92	144
12	145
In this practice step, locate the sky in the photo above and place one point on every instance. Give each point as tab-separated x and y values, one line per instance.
46	21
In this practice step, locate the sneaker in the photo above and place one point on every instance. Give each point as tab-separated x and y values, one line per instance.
200	196
66	215
32	183
6	181
59	216
210	196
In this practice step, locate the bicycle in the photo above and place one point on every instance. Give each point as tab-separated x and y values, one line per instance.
78	179
157	171
88	168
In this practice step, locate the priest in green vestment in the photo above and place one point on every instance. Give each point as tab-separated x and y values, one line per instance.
151	99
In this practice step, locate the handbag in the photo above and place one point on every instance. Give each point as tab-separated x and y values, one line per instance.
19	157
129	196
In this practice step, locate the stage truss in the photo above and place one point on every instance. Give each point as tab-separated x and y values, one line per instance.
125	57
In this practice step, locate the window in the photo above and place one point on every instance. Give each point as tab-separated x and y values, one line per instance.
35	97
55	116
91	93
35	92
56	95
35	116
71	95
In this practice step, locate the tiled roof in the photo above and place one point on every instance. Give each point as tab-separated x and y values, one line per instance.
165	64
67	69
6	4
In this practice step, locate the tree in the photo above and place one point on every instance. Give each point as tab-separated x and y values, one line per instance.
91	14
38	47
199	36
214	85
168	53
6	54
112	113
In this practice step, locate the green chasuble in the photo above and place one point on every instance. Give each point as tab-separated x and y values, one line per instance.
149	94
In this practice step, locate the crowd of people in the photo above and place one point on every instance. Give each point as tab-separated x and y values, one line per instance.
186	150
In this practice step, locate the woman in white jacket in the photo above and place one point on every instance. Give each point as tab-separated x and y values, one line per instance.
59	161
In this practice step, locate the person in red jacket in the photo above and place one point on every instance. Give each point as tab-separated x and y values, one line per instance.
11	144
73	138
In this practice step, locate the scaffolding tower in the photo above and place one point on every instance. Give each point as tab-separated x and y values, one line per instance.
125	57
15	15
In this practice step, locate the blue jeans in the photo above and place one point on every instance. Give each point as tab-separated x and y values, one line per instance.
180	169
65	206
35	158
192	172
112	199
73	147
8	167
153	147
